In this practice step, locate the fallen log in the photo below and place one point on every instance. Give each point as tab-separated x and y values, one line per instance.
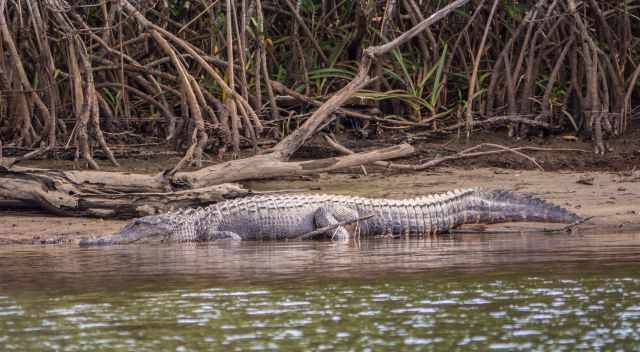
269	166
126	195
57	192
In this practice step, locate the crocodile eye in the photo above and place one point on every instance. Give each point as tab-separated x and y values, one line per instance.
141	222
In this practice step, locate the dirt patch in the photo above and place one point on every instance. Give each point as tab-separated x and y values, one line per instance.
623	156
610	196
36	227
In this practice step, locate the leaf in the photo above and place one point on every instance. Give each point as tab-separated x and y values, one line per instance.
331	72
437	82
408	81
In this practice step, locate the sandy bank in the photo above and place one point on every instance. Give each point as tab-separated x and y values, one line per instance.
613	197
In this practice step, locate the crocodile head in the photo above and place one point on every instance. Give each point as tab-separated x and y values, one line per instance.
138	229
148	226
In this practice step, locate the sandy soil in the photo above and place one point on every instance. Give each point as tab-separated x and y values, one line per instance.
611	196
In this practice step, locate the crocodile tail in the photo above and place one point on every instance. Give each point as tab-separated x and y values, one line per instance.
495	206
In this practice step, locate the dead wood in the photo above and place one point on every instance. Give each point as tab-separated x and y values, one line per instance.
270	166
417	29
124	195
464	154
80	193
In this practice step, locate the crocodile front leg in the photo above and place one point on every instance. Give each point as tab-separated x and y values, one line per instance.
332	215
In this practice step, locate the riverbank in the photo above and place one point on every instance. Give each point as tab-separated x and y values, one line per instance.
609	196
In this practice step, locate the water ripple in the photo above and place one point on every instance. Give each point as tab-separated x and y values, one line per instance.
479	293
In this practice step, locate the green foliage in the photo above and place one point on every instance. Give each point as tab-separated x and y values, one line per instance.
178	8
423	87
91	13
322	76
323	73
211	85
309	6
419	88
514	9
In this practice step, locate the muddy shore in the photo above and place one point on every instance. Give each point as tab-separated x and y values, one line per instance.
610	196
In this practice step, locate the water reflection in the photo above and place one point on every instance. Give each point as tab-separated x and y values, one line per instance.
477	292
249	261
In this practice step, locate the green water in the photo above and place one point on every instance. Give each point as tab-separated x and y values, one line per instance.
495	292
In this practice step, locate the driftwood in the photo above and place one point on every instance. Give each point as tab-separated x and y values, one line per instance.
468	153
71	194
124	195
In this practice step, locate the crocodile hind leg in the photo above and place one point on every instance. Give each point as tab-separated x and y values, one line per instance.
218	236
327	216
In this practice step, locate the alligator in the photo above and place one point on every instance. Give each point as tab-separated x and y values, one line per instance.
289	216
